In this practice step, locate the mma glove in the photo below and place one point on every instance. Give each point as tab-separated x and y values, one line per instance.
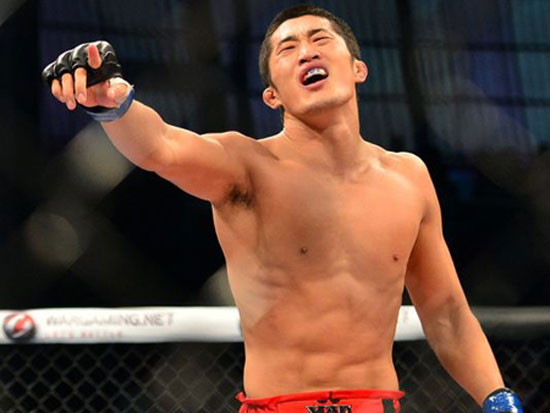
110	70
502	401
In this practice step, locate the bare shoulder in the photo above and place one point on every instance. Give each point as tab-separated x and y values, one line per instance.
230	139
412	169
407	164
406	161
239	144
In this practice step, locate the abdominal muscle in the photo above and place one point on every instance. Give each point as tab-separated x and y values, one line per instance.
317	268
334	335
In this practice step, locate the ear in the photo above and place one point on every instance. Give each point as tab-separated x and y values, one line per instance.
270	98
361	71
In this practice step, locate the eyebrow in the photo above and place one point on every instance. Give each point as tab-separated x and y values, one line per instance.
291	38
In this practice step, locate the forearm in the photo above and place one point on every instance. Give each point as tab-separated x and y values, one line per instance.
138	135
202	165
463	349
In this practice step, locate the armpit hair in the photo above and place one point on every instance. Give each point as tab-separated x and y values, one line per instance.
239	197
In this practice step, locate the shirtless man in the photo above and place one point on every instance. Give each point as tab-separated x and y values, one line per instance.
321	230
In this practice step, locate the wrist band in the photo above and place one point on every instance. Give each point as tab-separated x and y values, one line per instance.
102	114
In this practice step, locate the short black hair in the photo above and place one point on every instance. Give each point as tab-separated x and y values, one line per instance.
339	25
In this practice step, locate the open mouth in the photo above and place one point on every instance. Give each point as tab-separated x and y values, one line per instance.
314	75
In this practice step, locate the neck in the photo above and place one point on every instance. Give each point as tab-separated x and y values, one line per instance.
328	138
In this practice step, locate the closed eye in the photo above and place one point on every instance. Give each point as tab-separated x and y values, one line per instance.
285	49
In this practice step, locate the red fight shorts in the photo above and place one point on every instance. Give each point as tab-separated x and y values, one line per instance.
338	401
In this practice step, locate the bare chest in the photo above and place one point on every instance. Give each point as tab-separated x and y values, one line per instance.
315	220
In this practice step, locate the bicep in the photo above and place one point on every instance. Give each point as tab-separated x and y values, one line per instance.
431	279
206	166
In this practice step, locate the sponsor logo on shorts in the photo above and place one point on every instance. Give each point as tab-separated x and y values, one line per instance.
19	327
329	409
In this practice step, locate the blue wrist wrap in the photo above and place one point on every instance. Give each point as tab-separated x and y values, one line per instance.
102	114
502	401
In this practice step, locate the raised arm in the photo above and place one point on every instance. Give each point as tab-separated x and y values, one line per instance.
450	327
207	166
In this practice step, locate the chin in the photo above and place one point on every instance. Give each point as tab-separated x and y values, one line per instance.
324	104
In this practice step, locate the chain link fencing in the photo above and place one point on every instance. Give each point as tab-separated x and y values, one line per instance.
200	377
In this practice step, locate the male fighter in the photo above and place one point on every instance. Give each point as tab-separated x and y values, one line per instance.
320	229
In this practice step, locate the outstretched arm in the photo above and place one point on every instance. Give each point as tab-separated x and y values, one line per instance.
450	327
207	166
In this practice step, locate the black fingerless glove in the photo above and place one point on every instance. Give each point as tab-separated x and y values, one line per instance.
70	60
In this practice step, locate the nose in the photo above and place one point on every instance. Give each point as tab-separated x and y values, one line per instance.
308	52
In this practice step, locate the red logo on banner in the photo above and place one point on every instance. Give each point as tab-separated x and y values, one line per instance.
19	327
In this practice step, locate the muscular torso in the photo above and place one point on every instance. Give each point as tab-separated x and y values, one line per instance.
317	263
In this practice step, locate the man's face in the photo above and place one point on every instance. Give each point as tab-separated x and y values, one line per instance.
311	67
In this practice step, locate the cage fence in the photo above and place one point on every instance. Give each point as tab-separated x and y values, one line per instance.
205	377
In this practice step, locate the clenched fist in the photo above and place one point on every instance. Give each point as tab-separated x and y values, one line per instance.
88	74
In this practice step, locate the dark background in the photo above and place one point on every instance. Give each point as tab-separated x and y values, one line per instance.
463	84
